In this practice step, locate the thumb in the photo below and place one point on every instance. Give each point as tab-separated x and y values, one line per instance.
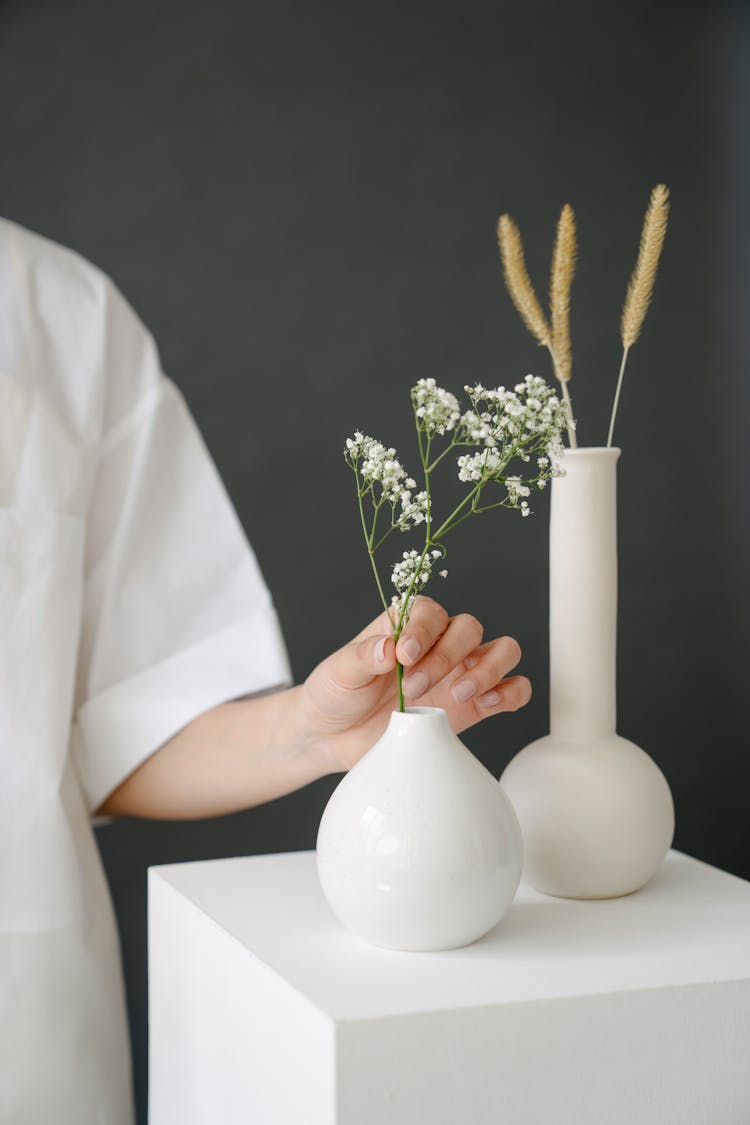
356	665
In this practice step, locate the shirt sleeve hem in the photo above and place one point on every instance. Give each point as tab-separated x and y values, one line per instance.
117	730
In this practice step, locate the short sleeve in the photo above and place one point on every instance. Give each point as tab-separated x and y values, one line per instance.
176	615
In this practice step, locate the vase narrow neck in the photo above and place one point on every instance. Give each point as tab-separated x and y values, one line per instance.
583	595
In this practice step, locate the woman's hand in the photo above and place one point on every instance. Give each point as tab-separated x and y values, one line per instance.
248	751
347	700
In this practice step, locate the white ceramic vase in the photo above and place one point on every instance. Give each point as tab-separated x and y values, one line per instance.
596	812
418	847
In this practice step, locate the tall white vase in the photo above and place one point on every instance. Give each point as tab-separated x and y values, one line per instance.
418	847
595	811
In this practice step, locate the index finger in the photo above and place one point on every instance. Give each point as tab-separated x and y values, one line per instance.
427	623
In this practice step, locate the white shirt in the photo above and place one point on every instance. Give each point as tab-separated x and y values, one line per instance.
130	602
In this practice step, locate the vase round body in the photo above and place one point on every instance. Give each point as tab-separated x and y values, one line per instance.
595	811
419	847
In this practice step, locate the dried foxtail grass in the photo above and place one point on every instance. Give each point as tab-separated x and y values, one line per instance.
518	284
518	281
561	280
641	286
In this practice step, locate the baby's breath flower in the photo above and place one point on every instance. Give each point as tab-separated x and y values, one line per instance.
411	573
516	489
377	465
511	424
484	465
414	510
502	431
436	410
409	568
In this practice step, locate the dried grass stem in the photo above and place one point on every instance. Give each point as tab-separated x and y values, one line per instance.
641	286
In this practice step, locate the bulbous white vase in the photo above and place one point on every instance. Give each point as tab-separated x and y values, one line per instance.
418	847
596	812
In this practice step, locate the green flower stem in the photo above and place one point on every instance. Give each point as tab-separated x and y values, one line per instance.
380	591
448	524
377	506
400	677
395	629
446	451
410	591
425	464
370	551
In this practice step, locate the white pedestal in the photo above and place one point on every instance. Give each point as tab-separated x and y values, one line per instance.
264	1011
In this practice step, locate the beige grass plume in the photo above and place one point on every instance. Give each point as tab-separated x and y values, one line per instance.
561	279
518	281
641	287
522	294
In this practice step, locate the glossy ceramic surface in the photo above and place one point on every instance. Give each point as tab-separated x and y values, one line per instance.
418	847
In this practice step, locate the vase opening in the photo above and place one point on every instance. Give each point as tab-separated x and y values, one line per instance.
600	452
420	711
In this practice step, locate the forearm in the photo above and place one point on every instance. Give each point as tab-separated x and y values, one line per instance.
230	758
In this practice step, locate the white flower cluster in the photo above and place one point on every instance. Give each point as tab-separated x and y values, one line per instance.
437	411
518	493
519	423
409	571
530	412
481	466
501	426
376	463
414	510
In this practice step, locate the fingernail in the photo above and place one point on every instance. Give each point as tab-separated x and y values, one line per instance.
379	650
489	699
416	684
464	690
410	650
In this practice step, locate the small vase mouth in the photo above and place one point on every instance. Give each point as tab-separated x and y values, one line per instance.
420	711
599	451
419	716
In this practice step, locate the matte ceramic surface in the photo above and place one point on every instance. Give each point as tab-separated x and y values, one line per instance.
262	1011
418	847
595	811
596	815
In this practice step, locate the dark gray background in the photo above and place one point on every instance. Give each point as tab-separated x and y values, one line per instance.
299	199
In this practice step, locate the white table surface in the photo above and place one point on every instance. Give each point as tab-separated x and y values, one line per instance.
690	924
630	1011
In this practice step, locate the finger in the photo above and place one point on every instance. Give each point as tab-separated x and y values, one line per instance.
460	639
427	622
509	695
359	663
485	668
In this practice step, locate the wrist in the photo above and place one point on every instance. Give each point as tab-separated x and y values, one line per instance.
305	736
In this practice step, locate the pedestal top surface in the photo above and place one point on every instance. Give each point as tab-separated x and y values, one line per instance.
689	925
